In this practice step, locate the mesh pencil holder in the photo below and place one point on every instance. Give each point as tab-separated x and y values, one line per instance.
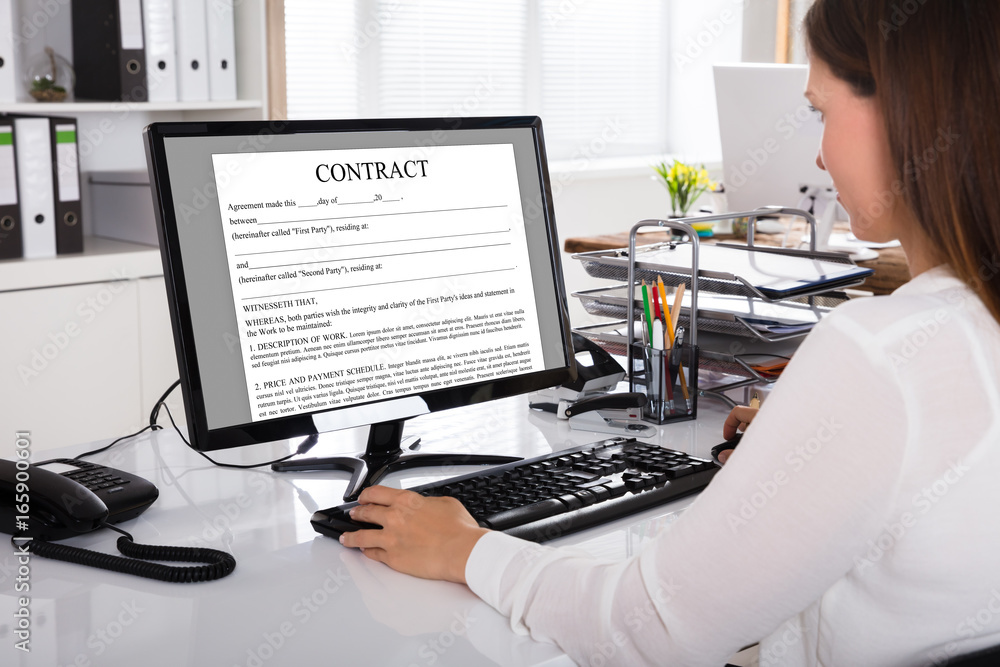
668	377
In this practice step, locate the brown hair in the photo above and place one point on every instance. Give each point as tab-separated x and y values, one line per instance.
934	68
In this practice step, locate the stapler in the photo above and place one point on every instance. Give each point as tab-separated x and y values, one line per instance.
586	401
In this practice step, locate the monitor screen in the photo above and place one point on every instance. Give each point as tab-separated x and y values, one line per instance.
769	134
329	274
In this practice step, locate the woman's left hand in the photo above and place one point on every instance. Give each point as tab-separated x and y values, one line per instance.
430	538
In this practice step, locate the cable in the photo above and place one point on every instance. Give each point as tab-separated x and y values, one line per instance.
155	412
219	563
153	427
154	415
302	449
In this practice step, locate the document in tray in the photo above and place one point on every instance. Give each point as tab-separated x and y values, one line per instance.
765	317
611	335
776	276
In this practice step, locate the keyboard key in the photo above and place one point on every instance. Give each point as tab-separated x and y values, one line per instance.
600	492
521	515
617	489
634	483
586	497
571	501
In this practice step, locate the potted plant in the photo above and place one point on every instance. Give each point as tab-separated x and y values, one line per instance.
685	184
47	75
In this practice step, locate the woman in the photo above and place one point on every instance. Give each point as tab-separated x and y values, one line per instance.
854	524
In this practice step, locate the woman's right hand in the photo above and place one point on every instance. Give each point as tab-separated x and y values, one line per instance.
736	422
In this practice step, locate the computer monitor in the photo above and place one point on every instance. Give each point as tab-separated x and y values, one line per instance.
323	275
770	138
769	135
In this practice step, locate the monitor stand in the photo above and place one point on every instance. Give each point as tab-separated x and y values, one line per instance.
385	454
824	228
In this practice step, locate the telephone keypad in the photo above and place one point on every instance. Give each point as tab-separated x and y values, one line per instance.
96	478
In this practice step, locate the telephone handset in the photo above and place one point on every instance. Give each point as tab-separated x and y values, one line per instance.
60	498
64	497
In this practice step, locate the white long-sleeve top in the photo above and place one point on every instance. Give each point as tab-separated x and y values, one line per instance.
857	523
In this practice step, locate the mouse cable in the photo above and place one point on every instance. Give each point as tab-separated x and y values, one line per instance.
302	449
153	426
155	412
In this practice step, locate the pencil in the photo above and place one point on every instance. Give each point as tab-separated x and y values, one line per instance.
663	298
669	329
645	307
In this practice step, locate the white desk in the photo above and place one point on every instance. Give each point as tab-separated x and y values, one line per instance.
296	597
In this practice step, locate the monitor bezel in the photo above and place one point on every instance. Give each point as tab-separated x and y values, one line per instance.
203	437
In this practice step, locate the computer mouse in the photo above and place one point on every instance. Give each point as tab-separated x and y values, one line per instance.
728	444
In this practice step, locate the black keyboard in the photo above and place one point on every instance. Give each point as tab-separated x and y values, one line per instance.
560	493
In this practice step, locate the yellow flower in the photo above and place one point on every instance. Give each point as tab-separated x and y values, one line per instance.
685	183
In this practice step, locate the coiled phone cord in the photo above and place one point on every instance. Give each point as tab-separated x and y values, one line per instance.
219	563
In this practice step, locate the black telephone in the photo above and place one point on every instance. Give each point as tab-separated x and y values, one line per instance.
64	497
60	498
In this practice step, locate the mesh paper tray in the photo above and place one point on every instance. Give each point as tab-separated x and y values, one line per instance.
717	352
716	314
613	265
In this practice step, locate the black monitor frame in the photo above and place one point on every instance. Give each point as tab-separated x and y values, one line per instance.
282	428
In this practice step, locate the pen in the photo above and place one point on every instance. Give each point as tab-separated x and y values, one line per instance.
645	307
656	302
680	368
657	342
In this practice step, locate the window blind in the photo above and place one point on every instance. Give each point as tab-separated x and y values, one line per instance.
604	74
596	71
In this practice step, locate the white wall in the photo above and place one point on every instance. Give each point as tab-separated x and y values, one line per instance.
702	34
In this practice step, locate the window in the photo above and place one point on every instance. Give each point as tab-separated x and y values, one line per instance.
590	68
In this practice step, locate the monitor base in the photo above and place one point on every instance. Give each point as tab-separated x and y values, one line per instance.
385	454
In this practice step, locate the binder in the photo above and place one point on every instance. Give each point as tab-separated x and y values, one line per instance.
8	68
221	50
35	192
10	213
108	50
161	52
66	175
192	50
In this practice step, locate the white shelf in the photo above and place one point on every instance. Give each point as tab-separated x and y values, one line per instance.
61	108
101	260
